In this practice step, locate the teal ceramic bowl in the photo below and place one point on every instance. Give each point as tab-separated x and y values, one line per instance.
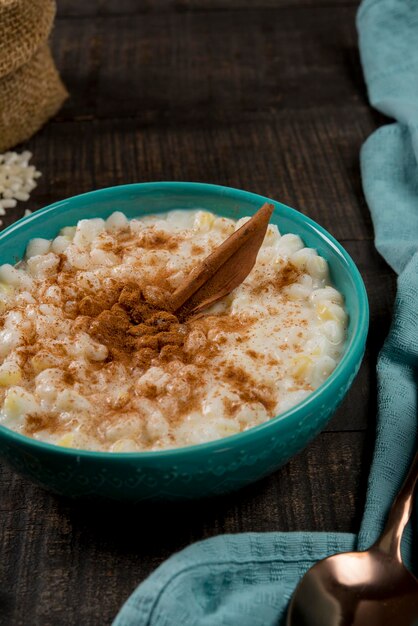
211	468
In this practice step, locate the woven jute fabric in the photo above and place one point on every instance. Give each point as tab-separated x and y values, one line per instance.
28	98
24	26
30	88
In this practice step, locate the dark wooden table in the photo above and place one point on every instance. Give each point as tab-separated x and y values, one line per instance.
266	95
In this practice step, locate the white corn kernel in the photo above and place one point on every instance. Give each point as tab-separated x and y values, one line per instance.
321	370
6	289
203	221
333	331
79	260
22	196
226	427
154	378
327	294
330	311
9	339
106	259
53	295
125	427
301	366
124	445
317	267
18	403
70	400
300	258
9	203
89	281
272	236
289	244
10	374
96	351
43	265
60	244
48	382
87	231
249	415
156	426
224	224
68	231
116	221
43	360
297	292
67	441
12	276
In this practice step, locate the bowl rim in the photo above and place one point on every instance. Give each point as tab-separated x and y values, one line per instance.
349	359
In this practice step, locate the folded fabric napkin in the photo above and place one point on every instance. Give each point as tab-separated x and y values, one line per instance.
248	579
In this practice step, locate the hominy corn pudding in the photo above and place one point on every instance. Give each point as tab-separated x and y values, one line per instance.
90	359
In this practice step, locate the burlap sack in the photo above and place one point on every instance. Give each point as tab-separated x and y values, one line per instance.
30	88
28	98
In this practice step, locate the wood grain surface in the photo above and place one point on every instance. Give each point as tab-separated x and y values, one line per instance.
266	95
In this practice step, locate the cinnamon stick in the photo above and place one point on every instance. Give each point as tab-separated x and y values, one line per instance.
224	269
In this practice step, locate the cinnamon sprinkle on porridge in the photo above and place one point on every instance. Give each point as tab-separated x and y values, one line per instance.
92	356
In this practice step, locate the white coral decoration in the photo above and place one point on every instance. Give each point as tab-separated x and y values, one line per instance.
17	179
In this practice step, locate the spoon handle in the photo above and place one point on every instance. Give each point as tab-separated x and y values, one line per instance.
399	514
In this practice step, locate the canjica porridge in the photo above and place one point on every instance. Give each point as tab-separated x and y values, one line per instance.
91	359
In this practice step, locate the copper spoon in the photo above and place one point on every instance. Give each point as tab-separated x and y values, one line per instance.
371	588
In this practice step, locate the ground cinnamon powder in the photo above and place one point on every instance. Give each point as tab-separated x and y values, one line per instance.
46	421
248	389
288	275
150	239
135	330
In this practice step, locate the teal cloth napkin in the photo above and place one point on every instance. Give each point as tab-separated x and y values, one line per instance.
248	579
